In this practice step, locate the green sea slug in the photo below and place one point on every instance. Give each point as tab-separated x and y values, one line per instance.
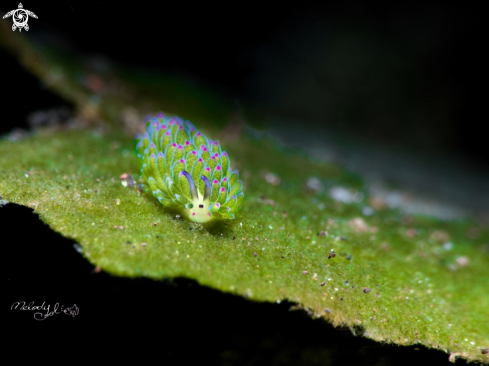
186	171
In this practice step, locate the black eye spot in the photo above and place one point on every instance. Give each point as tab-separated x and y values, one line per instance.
201	206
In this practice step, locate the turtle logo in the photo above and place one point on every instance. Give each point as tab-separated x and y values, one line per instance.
20	17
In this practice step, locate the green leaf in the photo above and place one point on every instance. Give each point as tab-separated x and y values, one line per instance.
396	281
417	281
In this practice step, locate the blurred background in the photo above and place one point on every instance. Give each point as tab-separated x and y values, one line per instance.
390	90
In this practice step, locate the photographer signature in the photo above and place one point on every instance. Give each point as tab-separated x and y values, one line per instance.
73	311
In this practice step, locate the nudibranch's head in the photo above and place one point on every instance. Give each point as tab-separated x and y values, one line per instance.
185	170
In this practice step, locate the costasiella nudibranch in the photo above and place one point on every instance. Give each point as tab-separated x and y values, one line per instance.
186	171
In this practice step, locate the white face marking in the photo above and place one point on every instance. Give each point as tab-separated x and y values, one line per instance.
200	212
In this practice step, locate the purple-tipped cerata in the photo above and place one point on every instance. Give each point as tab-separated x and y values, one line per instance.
185	170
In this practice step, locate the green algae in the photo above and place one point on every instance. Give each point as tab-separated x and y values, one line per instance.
393	279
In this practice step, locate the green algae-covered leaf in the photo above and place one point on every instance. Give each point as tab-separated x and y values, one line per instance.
391	277
407	281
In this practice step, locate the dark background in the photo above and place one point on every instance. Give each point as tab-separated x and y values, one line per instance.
401	74
177	321
392	74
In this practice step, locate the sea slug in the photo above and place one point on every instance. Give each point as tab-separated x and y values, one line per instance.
186	171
